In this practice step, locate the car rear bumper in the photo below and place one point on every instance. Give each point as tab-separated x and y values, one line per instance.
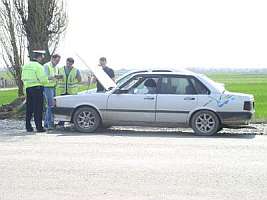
235	118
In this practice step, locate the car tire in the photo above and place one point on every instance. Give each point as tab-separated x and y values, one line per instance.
205	123
86	119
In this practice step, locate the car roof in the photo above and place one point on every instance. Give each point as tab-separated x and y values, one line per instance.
154	70
167	73
160	70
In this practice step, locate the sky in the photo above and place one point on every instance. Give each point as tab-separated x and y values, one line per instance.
167	33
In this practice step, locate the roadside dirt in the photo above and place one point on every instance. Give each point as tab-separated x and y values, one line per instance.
14	109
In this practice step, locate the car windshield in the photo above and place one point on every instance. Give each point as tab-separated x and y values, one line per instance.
126	76
122	79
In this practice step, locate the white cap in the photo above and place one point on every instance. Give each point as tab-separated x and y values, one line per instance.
39	51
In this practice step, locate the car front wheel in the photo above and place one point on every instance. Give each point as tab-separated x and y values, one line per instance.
205	123
86	119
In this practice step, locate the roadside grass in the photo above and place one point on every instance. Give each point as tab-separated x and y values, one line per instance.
255	84
7	96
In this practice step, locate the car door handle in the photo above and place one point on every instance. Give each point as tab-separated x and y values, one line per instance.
149	98
189	98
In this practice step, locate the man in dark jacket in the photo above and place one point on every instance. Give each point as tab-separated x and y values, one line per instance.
109	72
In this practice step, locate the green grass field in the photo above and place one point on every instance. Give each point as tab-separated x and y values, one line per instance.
255	84
8	96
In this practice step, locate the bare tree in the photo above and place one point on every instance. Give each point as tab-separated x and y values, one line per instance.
12	42
44	22
31	25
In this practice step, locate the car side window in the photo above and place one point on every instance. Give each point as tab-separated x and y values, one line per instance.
147	86
200	87
141	85
176	85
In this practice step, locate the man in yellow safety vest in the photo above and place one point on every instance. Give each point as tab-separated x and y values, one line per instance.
50	89
68	84
34	78
71	76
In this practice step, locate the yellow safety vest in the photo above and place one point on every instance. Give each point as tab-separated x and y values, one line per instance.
52	71
67	85
33	75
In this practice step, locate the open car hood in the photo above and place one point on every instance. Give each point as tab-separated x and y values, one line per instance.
103	78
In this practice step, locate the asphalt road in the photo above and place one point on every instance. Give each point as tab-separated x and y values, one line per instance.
132	164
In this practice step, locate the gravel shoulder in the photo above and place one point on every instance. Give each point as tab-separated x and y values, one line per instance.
17	127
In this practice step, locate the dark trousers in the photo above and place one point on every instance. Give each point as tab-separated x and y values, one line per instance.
34	105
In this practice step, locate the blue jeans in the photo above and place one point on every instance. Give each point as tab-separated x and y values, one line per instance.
49	94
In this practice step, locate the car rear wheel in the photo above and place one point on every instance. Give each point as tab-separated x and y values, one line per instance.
86	119
205	123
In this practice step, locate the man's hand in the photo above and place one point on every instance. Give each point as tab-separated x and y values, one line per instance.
78	77
57	77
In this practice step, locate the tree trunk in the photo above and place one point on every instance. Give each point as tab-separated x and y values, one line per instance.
43	21
36	28
20	87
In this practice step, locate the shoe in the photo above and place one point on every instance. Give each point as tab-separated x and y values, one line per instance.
29	129
41	130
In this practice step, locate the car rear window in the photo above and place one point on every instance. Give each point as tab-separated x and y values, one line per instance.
199	87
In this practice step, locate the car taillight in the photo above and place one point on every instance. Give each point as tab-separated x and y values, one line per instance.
247	105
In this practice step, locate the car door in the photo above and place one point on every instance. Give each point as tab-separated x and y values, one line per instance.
132	103
176	98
